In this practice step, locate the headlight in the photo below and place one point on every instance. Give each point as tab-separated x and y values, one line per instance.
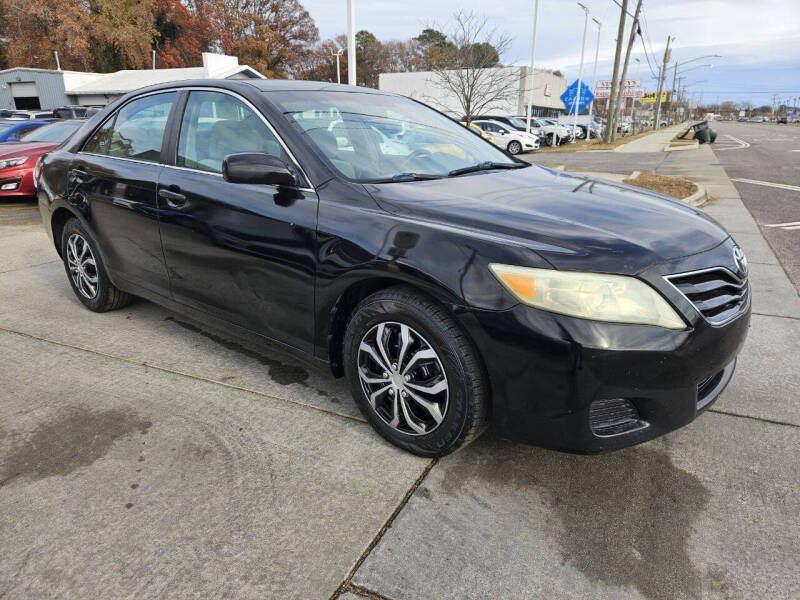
596	296
13	162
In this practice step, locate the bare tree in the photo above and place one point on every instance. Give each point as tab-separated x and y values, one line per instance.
468	67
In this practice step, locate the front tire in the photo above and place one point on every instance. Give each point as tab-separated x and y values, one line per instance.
514	147
414	374
86	272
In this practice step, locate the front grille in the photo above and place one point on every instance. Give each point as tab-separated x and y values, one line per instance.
614	417
717	294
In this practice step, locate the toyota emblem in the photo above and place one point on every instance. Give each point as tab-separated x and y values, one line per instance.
740	260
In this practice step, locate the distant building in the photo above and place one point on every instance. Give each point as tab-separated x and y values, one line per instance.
425	87
25	89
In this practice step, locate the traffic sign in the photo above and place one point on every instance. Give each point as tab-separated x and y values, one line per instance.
569	97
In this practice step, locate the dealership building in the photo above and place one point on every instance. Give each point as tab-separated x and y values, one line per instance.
426	86
29	89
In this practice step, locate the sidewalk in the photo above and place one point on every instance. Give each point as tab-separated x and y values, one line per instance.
650	143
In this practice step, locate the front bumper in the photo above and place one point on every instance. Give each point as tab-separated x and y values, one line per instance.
549	373
18	181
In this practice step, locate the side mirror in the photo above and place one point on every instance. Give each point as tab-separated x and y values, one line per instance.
256	167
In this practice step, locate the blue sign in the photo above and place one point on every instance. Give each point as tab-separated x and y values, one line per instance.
569	97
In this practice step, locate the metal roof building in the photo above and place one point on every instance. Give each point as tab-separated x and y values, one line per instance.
27	88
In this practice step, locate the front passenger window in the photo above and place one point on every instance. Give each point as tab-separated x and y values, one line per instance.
215	125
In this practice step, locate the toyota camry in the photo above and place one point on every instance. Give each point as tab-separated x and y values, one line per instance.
454	285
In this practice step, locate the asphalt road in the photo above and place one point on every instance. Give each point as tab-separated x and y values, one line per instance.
768	153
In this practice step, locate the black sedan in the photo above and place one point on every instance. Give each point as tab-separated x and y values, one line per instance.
454	285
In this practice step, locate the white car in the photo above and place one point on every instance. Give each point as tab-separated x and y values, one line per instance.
506	137
552	130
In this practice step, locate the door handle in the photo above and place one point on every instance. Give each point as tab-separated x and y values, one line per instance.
172	198
80	173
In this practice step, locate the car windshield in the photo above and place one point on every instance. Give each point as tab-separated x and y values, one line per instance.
520	123
56	132
6	127
375	137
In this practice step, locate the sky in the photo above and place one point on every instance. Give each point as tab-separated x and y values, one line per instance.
758	40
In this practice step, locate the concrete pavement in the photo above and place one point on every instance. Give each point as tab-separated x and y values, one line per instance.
142	455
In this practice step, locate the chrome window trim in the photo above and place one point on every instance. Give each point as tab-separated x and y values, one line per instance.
309	188
743	283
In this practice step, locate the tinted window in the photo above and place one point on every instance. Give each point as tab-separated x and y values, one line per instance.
376	136
215	125
139	127
98	143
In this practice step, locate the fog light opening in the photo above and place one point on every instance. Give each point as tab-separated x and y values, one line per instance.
7	187
617	416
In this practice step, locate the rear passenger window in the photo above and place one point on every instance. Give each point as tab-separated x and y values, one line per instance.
138	130
215	125
98	142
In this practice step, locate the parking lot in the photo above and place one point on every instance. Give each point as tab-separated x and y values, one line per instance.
143	455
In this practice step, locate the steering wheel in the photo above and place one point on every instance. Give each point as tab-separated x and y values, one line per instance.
414	155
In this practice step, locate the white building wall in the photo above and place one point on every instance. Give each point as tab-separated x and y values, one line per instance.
426	87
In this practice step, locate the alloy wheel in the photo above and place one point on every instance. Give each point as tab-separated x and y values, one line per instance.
82	265
515	148
403	378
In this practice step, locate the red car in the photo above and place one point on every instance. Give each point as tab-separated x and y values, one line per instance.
18	159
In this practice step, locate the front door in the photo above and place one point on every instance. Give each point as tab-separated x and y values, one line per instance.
113	181
244	253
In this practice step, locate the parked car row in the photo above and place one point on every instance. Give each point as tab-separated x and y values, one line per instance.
63	112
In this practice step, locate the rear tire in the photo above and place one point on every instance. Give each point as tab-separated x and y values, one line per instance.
438	357
86	272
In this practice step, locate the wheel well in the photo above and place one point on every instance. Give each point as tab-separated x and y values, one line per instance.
346	304
57	222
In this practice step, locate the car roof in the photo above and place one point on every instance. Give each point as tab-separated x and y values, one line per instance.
22	121
264	85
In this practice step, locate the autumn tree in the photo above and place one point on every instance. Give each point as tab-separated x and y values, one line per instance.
269	35
37	28
120	33
184	30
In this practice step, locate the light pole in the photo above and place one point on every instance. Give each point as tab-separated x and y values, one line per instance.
351	42
686	62
338	55
577	102
594	72
533	58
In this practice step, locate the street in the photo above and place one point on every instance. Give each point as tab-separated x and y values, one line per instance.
771	157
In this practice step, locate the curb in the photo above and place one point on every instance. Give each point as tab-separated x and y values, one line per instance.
693	146
699	198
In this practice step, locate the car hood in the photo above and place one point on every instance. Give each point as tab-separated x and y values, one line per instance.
11	149
574	222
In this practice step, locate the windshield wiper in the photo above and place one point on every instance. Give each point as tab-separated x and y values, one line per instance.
484	166
401	177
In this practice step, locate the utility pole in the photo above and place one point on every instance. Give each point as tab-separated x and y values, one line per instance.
615	75
351	42
631	39
533	59
594	72
577	102
661	76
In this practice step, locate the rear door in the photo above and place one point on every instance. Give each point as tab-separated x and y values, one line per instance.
113	180
243	253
